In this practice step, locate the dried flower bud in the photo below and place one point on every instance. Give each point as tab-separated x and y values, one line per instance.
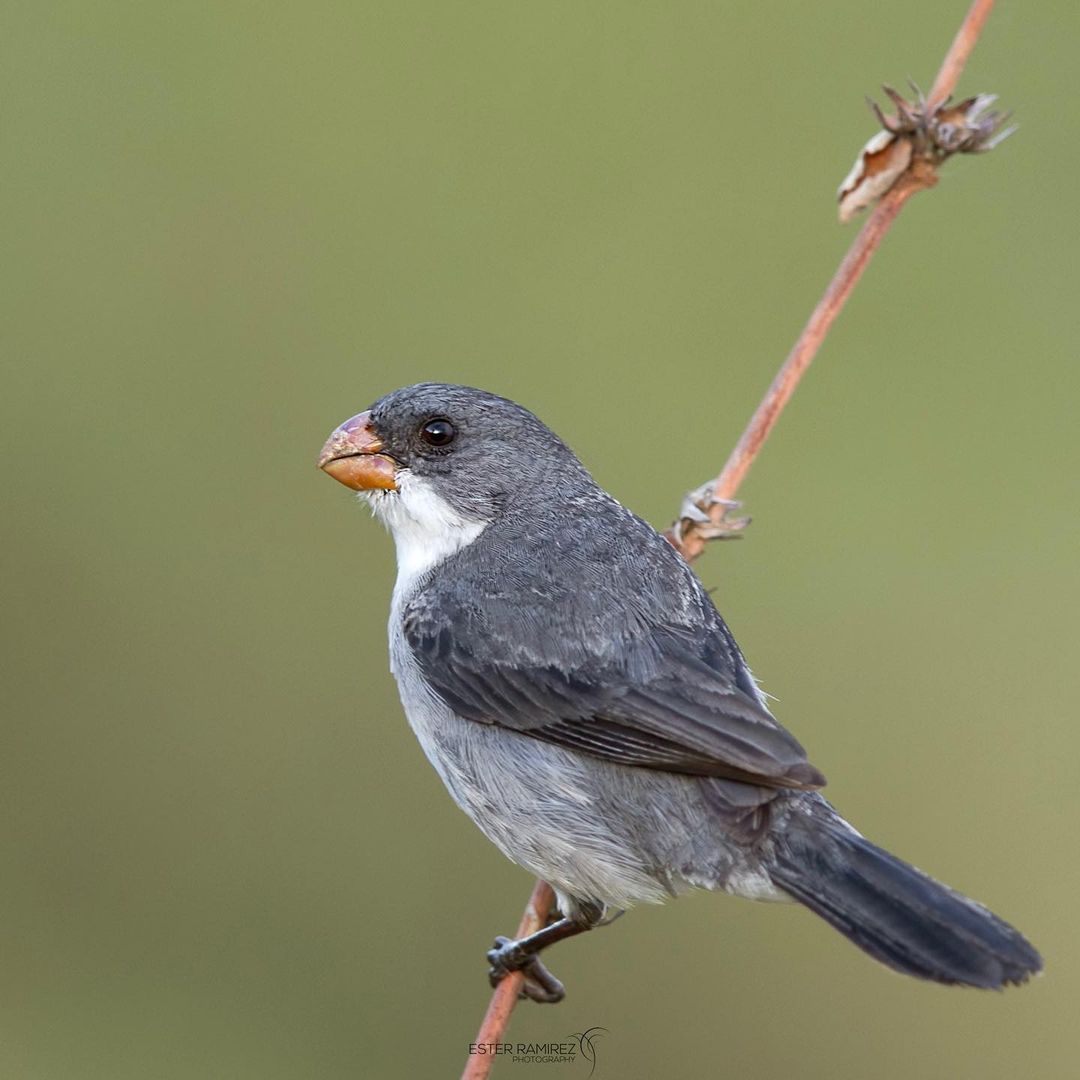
918	133
881	162
968	128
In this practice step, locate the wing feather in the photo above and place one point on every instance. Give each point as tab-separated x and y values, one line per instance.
679	714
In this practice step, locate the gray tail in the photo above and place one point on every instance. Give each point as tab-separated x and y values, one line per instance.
896	913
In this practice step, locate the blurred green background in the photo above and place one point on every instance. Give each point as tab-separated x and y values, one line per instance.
227	227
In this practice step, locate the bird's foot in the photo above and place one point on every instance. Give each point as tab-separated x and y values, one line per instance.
539	985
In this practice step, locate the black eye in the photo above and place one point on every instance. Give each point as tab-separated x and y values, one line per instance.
438	432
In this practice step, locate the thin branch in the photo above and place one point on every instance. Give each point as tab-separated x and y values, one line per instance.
805	348
690	537
952	67
505	995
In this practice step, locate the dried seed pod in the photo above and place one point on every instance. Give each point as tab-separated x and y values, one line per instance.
881	162
918	132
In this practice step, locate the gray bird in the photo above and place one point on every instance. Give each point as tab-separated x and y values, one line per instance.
585	704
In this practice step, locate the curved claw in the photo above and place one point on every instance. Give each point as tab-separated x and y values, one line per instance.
539	985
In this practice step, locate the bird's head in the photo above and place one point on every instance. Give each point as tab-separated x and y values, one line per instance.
437	459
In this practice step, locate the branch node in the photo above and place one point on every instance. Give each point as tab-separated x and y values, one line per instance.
707	517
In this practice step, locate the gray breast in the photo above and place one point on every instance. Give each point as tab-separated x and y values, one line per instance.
596	830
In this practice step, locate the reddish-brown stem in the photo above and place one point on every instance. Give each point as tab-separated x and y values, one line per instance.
952	67
693	540
726	485
505	995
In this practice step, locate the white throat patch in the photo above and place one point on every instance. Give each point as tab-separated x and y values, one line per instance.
425	527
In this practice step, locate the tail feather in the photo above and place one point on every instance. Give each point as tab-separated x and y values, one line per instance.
897	914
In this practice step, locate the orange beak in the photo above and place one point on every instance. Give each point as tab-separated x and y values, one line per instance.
353	457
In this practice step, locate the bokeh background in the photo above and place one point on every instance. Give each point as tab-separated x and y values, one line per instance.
227	227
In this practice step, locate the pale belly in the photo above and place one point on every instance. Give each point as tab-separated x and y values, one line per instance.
596	831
